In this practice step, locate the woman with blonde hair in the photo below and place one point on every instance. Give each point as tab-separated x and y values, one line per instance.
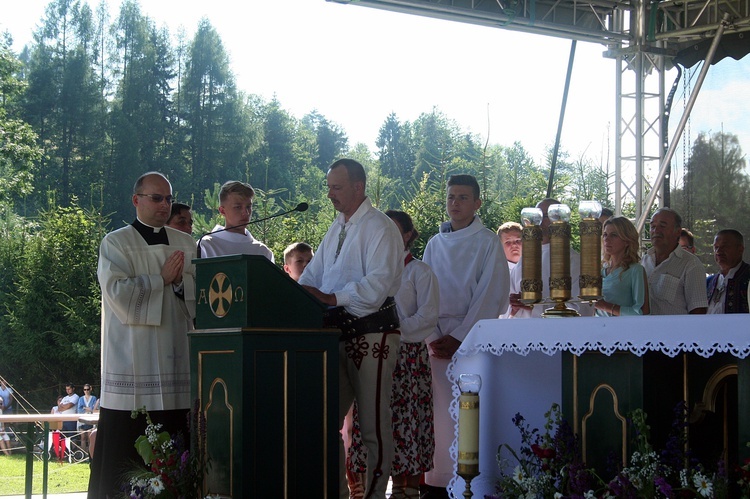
624	283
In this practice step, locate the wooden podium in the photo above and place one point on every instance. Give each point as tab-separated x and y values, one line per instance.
266	375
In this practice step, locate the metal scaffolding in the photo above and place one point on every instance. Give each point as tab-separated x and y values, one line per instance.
644	38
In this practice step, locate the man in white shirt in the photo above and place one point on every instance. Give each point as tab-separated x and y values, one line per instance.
727	290
472	274
233	238
357	270
148	305
676	278
68	405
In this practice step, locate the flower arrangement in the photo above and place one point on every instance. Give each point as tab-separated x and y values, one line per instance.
744	478
173	472
549	465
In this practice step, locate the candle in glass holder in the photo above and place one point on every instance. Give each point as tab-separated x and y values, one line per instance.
559	252
531	259
590	281
468	423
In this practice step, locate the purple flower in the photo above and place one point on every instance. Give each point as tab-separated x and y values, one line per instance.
663	486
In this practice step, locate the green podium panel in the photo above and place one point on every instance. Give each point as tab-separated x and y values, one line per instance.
251	291
270	401
599	392
266	376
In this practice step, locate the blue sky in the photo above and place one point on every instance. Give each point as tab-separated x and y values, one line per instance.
355	65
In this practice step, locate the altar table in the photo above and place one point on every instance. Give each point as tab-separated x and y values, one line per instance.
531	381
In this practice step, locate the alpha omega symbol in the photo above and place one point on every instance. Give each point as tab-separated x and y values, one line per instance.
220	295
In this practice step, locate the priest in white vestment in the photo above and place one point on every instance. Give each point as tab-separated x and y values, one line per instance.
148	305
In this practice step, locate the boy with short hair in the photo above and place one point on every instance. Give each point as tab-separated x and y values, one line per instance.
236	205
472	273
296	258
510	236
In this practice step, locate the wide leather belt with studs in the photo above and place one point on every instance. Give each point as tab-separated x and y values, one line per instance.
385	319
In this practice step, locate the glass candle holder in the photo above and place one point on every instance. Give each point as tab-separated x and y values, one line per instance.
590	280
531	256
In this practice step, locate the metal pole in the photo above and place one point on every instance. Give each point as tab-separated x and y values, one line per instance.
571	58
683	121
45	459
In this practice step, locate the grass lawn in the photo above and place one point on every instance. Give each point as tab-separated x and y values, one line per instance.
62	478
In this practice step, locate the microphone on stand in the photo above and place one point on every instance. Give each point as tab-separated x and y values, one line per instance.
299	207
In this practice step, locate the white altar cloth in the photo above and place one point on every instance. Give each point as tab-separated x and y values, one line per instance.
530	382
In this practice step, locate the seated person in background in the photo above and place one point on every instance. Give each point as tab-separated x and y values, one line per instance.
6	394
727	291
55	408
510	236
181	218
236	205
86	405
296	258
624	283
4	438
69	405
687	240
676	278
606	213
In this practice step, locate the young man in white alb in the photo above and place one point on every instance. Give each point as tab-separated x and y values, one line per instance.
233	238
472	273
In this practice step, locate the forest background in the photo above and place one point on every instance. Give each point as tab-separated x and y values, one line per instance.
100	97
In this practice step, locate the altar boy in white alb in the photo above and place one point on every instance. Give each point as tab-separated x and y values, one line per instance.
233	238
148	304
472	273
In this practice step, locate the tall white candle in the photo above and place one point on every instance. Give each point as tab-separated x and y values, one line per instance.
468	428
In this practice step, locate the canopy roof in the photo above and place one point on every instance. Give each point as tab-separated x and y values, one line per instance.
672	26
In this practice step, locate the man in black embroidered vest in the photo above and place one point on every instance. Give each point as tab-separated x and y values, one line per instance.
148	303
727	290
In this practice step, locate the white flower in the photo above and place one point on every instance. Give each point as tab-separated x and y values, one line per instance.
637	482
558	495
518	474
166	447
683	478
704	486
156	485
589	495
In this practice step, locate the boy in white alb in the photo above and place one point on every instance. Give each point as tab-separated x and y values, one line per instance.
472	273
236	205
